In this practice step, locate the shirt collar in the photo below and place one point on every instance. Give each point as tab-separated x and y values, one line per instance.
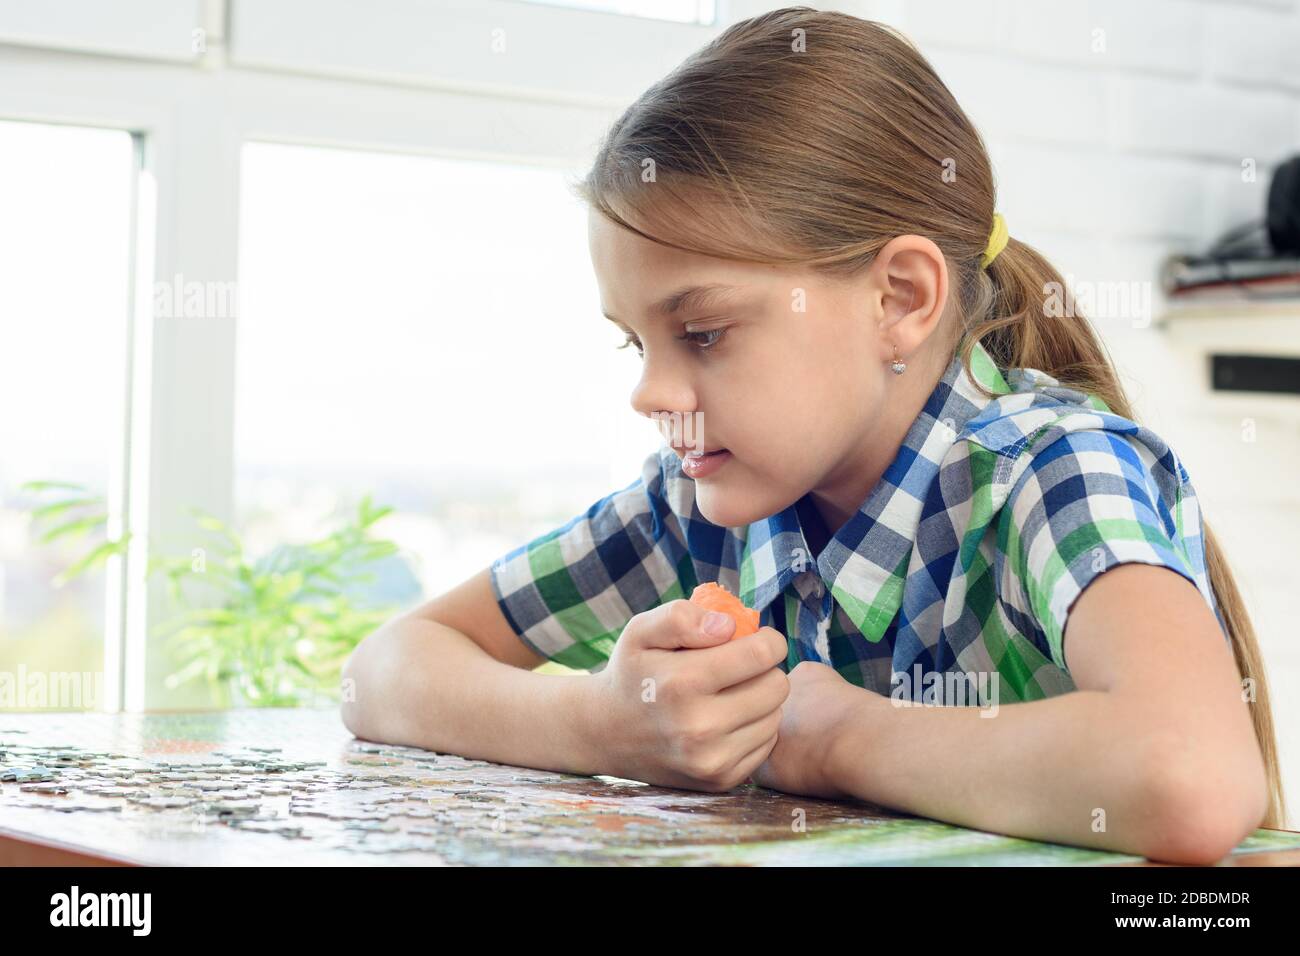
865	562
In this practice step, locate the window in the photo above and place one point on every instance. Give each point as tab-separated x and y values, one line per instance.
426	331
65	243
680	11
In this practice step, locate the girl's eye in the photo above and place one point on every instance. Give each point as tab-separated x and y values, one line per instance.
708	343
706	340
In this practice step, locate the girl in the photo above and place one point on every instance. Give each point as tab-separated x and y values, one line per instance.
928	482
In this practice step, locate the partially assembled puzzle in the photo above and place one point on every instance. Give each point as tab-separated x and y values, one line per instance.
294	787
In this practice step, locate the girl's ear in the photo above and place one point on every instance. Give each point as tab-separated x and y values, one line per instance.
910	276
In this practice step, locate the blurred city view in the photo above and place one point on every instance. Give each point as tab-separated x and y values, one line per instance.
389	306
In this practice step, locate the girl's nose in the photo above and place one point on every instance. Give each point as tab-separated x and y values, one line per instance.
661	389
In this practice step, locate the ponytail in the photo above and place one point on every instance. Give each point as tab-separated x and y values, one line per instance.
1016	328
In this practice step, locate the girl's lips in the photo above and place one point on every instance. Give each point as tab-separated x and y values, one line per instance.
700	466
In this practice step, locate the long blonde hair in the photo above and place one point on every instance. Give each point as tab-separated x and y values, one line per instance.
819	136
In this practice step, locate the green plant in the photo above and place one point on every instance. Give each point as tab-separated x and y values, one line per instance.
283	623
75	515
269	631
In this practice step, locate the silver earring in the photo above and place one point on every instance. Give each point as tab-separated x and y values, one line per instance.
897	367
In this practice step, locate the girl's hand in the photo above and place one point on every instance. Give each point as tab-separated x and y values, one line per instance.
821	706
679	706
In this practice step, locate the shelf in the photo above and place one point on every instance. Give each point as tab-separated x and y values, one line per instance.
1228	311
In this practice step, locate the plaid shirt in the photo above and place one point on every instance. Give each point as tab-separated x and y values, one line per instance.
964	560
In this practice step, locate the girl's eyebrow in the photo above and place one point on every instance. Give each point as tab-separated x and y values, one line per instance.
687	299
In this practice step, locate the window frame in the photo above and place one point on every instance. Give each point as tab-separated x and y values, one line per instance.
191	115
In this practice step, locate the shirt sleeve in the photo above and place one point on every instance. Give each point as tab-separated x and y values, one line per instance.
569	593
1087	502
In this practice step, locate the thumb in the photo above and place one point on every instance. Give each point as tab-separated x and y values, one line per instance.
682	624
714	628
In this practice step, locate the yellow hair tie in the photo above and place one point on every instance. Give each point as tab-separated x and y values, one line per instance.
997	241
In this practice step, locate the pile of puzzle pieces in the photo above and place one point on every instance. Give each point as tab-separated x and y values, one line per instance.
376	799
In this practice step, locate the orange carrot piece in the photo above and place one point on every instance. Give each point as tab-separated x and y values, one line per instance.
717	598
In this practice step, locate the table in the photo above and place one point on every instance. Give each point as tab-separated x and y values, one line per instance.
294	787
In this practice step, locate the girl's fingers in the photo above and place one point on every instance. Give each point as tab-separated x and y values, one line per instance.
754	699
754	759
755	735
735	662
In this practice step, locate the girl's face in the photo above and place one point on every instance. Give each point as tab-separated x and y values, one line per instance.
786	370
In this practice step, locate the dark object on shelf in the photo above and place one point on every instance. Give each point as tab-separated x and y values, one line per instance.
1255	373
1260	259
1278	233
1284	207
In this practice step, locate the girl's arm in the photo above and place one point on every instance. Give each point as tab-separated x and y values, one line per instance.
421	680
452	676
1154	754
